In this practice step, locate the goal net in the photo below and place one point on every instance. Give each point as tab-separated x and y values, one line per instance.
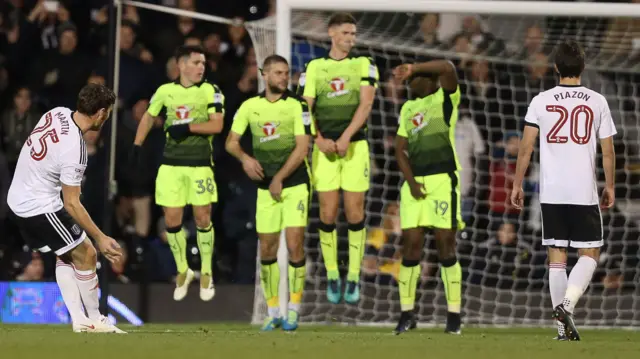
503	59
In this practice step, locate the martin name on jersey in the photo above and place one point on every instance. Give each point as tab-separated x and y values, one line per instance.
53	154
571	120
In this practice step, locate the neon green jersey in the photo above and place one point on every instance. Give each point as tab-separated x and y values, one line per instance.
274	127
429	125
335	85
187	105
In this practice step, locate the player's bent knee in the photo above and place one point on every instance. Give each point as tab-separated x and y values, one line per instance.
412	249
269	245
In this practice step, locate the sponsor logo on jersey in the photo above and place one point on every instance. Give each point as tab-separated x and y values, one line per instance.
419	122
337	85
183	115
269	129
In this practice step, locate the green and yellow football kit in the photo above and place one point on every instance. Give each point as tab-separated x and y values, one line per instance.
186	174
335	86
429	124
274	127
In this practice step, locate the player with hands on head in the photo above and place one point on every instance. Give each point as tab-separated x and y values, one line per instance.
52	162
281	126
570	119
340	88
430	195
194	111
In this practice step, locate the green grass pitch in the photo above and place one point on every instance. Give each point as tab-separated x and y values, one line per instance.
209	341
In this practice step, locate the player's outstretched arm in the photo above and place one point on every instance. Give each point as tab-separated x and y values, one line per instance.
524	157
144	127
107	245
609	165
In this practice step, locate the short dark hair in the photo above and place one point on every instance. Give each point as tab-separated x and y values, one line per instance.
274	59
569	59
187	50
340	18
93	98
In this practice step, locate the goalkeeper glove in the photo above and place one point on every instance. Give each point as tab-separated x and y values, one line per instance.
179	132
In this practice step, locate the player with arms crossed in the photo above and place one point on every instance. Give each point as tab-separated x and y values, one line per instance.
281	128
53	160
341	88
570	119
194	112
430	195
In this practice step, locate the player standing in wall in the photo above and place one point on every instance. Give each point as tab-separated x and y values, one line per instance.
430	195
194	112
340	88
281	127
569	118
53	160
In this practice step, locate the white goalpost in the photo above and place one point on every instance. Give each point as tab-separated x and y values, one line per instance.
492	295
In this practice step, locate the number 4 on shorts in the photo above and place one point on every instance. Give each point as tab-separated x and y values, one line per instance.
301	207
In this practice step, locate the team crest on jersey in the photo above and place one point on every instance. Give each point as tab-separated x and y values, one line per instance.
183	115
269	129
76	229
337	85
419	122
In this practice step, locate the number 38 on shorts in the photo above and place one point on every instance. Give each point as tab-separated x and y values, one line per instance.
439	209
177	186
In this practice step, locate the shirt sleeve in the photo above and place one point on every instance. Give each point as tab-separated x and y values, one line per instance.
454	96
216	101
240	120
607	127
531	118
304	124
307	81
157	102
368	72
402	129
73	164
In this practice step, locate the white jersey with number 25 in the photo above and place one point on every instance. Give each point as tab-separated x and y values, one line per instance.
53	154
571	120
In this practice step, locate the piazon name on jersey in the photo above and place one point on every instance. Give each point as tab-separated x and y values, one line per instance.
335	85
182	105
429	125
274	127
571	94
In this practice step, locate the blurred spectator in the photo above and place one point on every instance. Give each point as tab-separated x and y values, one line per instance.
59	76
469	145
170	37
237	41
429	30
94	181
502	172
129	45
538	77
534	43
34	270
382	252
621	45
17	123
43	23
482	42
5	182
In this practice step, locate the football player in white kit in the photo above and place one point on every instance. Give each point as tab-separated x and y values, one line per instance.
571	120
53	160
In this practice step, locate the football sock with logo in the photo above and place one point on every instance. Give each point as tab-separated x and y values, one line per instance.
297	272
205	245
270	280
66	279
579	280
451	274
408	282
178	244
357	235
329	246
558	287
88	284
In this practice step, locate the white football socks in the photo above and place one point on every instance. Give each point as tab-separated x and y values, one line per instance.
66	278
558	287
579	280
88	284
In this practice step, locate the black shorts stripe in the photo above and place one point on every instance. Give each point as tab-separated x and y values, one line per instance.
56	232
454	200
59	228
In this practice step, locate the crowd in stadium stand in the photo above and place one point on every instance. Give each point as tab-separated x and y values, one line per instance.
47	56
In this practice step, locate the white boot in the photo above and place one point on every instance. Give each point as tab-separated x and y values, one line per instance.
181	291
